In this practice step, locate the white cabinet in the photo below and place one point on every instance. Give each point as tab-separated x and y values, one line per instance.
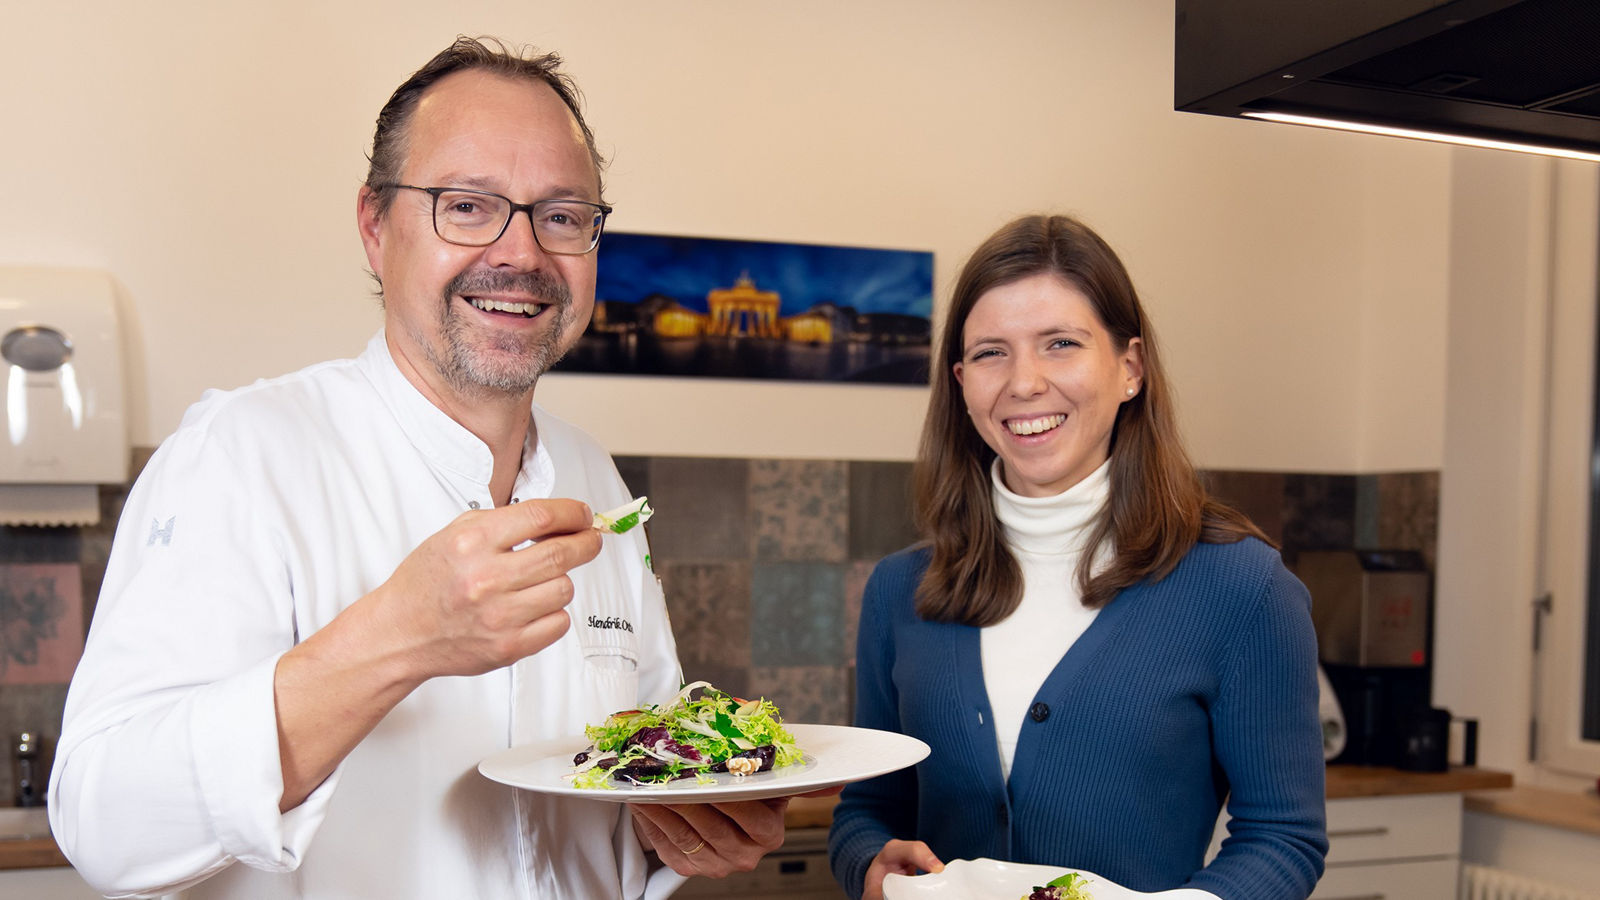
1397	847
1393	848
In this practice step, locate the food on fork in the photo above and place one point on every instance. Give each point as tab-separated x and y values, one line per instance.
620	520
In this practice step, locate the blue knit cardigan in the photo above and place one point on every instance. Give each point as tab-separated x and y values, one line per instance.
1182	693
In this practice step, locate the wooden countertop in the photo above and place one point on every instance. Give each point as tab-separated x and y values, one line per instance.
1345	781
1542	806
35	851
25	841
30	853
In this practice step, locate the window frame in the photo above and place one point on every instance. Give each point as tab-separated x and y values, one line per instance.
1568	608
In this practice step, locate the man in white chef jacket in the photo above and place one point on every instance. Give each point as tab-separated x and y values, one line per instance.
322	607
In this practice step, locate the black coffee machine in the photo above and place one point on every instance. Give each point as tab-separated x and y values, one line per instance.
1373	611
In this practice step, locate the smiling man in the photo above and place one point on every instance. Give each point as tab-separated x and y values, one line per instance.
376	572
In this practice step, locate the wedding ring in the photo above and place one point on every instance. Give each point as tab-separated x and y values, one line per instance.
695	849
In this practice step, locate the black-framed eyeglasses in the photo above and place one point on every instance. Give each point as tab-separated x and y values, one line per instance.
478	218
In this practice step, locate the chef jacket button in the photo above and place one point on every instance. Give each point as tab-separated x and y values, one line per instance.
1039	712
472	504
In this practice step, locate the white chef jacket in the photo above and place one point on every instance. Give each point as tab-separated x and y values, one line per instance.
270	510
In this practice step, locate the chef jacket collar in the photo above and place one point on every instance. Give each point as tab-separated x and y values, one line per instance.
444	441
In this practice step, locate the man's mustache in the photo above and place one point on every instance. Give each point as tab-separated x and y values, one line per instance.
537	284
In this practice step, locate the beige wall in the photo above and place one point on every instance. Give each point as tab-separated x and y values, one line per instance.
208	156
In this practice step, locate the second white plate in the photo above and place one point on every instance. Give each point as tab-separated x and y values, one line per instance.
993	879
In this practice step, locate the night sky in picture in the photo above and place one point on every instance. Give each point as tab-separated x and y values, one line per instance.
635	266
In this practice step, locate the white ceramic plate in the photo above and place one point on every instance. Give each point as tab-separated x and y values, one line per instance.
992	879
834	755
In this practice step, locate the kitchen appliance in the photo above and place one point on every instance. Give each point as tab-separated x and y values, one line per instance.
1373	612
1520	71
63	426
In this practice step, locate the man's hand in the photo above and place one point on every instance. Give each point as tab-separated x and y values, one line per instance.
712	839
898	858
715	839
464	602
467	602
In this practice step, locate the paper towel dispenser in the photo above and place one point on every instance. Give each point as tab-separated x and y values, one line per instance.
63	420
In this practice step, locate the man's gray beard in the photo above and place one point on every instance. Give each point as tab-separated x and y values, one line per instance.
513	364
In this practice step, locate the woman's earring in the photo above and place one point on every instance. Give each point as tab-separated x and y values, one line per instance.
1132	391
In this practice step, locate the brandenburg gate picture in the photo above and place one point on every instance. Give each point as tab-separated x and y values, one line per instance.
667	305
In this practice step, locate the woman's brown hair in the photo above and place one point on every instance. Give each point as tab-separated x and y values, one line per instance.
1157	507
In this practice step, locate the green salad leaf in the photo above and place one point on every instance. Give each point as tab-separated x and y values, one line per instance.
623	519
1070	886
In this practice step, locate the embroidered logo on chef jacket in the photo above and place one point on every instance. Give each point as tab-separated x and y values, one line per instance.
160	532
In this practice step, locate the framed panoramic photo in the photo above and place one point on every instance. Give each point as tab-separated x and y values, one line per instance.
669	305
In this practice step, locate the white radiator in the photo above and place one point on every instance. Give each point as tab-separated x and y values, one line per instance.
1486	883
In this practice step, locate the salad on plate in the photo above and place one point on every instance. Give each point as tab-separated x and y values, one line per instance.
700	731
1070	886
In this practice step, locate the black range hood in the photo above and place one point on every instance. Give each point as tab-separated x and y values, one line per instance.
1522	71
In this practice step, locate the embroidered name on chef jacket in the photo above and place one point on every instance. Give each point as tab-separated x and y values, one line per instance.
611	622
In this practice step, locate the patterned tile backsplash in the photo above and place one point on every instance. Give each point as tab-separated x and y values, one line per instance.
764	561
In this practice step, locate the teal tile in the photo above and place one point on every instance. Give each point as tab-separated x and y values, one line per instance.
797	612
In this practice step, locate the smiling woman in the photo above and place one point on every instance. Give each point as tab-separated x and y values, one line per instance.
1044	380
1125	648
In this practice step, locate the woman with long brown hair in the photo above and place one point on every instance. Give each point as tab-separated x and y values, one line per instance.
1098	653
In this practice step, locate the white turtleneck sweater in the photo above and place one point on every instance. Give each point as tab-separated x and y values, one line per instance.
1046	535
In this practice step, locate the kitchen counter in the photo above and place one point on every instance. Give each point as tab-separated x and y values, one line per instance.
25	840
1541	806
1344	782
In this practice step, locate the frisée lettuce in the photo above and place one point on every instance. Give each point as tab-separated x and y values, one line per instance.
702	730
1070	886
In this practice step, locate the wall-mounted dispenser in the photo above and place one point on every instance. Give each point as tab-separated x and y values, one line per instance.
63	421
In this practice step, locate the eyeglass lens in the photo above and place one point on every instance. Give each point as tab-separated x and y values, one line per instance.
477	219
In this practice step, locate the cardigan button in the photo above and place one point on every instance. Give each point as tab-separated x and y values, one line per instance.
1039	712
